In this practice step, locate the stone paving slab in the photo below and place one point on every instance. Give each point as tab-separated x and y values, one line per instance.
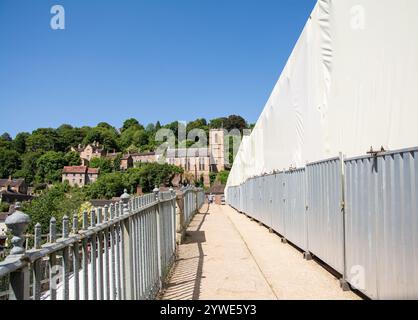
228	257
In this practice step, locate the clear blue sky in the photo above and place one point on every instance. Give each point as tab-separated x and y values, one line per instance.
153	60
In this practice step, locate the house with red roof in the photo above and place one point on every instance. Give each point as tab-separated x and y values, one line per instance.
79	175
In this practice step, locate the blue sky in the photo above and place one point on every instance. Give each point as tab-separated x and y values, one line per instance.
153	60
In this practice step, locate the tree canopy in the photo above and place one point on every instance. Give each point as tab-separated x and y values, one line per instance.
39	156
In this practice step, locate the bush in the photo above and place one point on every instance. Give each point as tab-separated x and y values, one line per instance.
57	202
4	207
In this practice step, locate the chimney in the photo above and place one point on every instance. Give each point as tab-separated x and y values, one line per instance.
139	191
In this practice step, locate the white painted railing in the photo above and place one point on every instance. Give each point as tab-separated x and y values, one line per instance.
121	252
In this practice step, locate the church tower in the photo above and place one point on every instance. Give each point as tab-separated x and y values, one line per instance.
216	149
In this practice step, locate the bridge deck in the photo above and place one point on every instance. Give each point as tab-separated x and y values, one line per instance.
227	256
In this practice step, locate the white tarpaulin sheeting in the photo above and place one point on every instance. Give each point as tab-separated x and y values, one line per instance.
350	83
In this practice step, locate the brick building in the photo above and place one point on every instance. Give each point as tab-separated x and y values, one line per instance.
79	175
126	162
146	157
14	185
90	151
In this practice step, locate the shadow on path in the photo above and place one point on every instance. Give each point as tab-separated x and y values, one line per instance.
185	284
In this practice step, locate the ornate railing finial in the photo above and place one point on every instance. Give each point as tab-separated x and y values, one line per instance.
125	196
156	191
17	223
53	230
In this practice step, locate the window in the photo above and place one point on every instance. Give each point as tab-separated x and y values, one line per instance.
202	164
216	138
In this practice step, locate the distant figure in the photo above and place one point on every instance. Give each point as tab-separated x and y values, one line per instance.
210	198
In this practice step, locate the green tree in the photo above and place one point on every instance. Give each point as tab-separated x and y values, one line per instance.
6	142
223	177
6	136
72	159
106	137
126	138
212	177
60	200
158	126
149	175
150	128
29	166
20	142
218	123
44	140
49	167
69	136
197	124
236	122
9	162
107	186
117	161
105	125
104	164
131	123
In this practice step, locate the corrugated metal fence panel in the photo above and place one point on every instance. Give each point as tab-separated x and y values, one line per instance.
382	224
270	190
295	217
279	203
241	198
325	218
361	196
255	211
259	205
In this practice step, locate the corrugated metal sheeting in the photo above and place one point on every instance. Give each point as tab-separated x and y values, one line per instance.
382	224
295	207
325	215
373	241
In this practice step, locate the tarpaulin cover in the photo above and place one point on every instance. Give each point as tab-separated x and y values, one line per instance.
351	83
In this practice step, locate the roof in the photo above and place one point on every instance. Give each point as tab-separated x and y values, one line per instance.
95	148
8	196
75	169
80	170
93	171
11	183
187	153
144	154
217	189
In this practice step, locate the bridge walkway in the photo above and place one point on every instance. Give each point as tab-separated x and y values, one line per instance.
227	256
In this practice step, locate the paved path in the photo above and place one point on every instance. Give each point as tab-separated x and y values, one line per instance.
227	256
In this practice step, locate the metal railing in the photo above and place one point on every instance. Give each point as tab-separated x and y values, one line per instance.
122	251
357	215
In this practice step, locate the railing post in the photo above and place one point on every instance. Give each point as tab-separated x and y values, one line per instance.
76	260
127	249
17	223
93	255
85	259
173	212
52	260
37	276
66	258
196	194
157	198
180	215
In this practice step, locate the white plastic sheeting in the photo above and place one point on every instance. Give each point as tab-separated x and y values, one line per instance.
350	83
